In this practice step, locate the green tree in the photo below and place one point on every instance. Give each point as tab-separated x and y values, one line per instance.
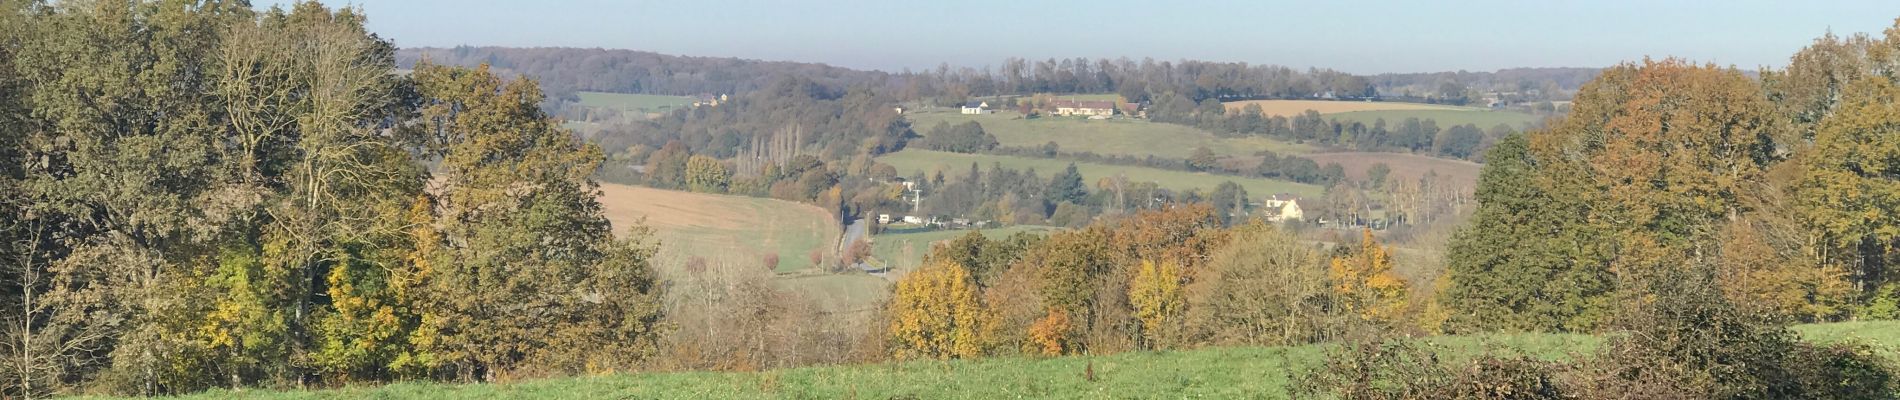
1523	263
1203	159
1066	186
1375	175
520	231
707	174
1230	202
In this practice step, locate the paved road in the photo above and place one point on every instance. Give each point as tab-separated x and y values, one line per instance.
852	233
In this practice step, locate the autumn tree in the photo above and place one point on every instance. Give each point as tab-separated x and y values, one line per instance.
1364	283
1261	288
935	313
1156	296
1639	179
1850	192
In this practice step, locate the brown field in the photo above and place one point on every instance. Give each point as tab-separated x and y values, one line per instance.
719	228
1296	107
1411	166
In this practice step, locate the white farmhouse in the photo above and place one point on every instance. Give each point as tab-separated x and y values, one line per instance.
976	107
1282	207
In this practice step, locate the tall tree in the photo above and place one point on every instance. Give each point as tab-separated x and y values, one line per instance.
529	273
1852	186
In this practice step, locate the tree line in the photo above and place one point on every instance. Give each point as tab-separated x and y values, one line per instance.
1411	135
566	71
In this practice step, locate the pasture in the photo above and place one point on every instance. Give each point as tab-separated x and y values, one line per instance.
928	162
905	250
1368	112
727	229
1215	372
641	103
1120	136
1289	108
1408	166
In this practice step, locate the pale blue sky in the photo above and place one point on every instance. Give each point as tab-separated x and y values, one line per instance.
1353	36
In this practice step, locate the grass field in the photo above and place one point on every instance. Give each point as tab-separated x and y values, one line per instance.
732	229
905	250
1484	119
1113	136
956	164
1410	166
1235	372
1289	108
646	103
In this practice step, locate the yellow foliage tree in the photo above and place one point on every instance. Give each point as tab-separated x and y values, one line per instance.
934	313
1156	295
1365	283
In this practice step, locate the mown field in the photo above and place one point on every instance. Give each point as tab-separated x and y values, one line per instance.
647	103
954	164
1289	108
719	228
1113	136
905	250
1233	372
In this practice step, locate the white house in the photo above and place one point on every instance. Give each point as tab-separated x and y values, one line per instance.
1283	207
1090	108
976	107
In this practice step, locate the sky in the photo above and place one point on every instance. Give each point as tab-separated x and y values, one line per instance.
1363	37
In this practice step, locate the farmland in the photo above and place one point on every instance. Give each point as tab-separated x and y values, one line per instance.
1409	166
642	103
926	161
1484	119
1109	137
904	250
1217	372
730	229
1289	108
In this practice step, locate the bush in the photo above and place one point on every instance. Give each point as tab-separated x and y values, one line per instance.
1404	370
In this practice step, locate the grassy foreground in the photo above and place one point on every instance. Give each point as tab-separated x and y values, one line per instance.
1240	372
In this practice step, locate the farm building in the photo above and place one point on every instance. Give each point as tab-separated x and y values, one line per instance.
1084	108
1282	207
976	107
707	99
